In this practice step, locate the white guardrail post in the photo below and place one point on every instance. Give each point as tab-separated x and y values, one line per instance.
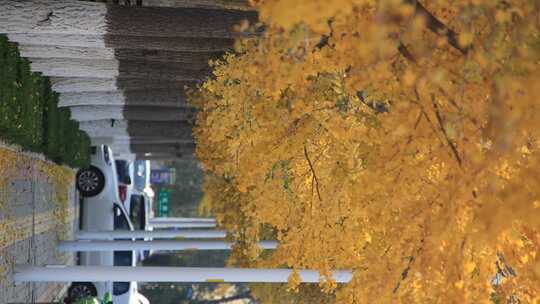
181	219
121	245
181	224
60	273
155	234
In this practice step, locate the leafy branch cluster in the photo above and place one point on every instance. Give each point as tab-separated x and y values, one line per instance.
395	138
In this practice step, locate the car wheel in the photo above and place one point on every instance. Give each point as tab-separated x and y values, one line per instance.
90	181
81	290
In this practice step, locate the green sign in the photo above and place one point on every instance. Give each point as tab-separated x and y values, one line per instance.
163	199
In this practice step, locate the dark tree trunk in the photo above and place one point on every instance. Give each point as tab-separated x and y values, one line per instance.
96	68
86	18
175	88
160	70
163	156
164	97
171	22
190	60
181	130
119	112
159	114
208	4
81	85
144	98
183	44
152	140
125	128
173	149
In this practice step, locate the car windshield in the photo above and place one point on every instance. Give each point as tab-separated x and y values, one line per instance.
139	175
120	220
136	212
122	258
122	169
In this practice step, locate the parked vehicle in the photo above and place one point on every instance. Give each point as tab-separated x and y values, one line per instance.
141	197
98	186
102	209
140	212
122	292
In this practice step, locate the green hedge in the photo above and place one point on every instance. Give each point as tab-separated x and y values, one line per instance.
29	113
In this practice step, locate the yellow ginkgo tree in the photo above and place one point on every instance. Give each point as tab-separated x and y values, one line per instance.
398	138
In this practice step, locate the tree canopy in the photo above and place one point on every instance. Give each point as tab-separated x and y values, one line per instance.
396	138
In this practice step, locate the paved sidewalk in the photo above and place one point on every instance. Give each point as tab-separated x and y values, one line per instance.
38	206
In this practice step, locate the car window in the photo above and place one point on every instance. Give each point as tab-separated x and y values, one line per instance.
139	175
122	258
122	170
136	212
120	220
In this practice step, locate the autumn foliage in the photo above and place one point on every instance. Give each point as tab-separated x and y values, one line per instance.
399	139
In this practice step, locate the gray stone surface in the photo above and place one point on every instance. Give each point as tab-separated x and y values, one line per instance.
32	234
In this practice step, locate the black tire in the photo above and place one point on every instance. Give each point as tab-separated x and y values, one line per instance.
90	181
79	290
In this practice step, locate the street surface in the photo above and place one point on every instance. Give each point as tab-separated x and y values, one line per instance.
35	212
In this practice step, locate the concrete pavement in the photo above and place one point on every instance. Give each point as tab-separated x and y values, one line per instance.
36	210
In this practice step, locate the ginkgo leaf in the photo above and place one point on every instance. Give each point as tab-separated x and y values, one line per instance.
411	140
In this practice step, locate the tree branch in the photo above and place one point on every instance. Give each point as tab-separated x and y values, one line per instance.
436	26
405	271
405	52
325	38
244	295
443	130
313	172
507	271
377	107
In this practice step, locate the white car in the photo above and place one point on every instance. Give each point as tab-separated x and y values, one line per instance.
122	292
101	209
140	206
140	213
98	186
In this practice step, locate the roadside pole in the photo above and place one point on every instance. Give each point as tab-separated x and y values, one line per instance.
181	219
61	273
182	225
155	234
121	245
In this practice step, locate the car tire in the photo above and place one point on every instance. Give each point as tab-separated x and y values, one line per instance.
90	181
79	290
